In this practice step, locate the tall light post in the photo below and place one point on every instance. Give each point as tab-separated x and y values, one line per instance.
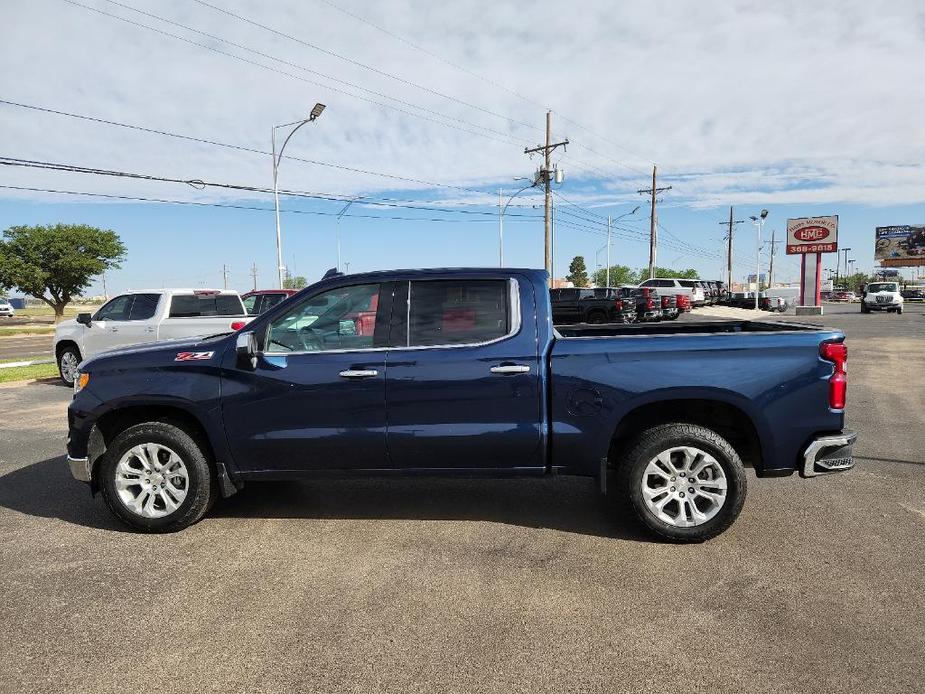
337	225
758	221
610	223
312	116
502	209
838	263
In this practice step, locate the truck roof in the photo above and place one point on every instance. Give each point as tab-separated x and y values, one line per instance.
181	290
533	273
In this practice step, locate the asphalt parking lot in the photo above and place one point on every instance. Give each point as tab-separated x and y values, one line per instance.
472	585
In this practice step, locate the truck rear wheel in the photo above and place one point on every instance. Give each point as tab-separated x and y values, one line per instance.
684	482
156	478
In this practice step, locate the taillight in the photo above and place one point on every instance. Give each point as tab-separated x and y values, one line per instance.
837	353
238	324
650	303
665	302
618	304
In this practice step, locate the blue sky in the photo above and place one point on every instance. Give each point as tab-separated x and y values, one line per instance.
738	112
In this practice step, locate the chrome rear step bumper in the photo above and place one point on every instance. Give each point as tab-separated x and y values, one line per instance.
828	454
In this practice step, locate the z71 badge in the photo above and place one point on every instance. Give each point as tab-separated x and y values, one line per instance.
193	356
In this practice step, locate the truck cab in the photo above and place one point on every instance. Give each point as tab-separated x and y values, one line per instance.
882	296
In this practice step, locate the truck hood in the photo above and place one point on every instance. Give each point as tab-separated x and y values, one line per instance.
158	352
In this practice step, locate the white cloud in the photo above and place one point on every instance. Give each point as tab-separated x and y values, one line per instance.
763	101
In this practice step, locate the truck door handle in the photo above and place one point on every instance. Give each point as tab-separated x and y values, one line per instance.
149	329
358	373
115	330
510	369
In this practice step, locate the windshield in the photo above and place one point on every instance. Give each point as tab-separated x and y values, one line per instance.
881	287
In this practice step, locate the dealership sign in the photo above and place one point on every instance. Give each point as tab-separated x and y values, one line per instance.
812	235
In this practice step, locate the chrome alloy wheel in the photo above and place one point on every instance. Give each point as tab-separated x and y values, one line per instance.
684	486
151	480
69	366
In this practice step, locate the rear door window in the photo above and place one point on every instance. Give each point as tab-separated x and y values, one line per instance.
457	312
205	305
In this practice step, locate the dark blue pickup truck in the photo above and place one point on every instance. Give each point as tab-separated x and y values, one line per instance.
460	372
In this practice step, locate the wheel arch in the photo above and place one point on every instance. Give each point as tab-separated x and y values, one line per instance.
115	421
725	418
65	342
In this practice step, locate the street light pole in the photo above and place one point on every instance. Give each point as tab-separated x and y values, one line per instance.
758	222
502	209
315	112
337	226
609	225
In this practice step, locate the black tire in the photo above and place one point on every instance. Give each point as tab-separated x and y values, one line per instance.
899	310
597	317
201	489
70	351
650	443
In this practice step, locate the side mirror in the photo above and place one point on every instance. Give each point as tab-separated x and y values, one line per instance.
246	349
84	318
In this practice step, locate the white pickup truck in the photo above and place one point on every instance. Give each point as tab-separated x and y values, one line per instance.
146	316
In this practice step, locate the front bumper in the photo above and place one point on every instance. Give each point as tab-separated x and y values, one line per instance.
828	454
80	468
881	307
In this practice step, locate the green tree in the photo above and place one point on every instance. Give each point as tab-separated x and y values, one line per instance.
294	282
578	273
688	274
619	275
57	262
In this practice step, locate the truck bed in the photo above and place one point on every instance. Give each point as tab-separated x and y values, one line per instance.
685	328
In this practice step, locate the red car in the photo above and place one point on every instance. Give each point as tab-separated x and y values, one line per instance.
258	301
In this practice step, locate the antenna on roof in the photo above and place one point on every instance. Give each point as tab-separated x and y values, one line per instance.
332	273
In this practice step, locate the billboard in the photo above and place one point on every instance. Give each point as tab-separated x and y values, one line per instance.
812	235
901	245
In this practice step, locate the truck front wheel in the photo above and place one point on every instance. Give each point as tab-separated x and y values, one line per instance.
683	482
68	362
156	478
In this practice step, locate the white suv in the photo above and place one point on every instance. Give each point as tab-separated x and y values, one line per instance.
6	308
882	296
666	286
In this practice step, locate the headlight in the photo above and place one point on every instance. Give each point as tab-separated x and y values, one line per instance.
80	382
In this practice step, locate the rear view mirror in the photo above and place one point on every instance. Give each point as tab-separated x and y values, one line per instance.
84	318
246	350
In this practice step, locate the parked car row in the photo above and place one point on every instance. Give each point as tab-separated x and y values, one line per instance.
626	304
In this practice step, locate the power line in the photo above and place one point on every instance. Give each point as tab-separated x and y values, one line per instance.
135	198
309	70
240	148
487	80
363	65
200	184
289	74
432	54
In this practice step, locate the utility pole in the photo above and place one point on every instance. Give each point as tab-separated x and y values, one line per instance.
545	173
254	274
771	265
732	222
225	276
609	222
653	220
105	293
